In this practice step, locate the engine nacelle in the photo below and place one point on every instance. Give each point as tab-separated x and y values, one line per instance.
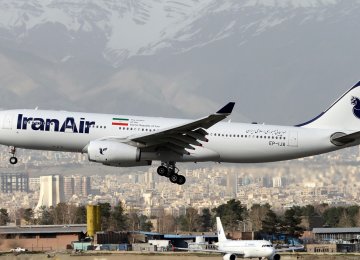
111	152
276	257
229	257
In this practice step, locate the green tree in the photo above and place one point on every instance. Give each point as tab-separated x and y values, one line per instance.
205	223
45	216
119	220
271	223
291	222
28	216
105	213
4	217
332	216
145	223
231	214
80	215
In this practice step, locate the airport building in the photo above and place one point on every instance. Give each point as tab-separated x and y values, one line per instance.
330	240
337	234
41	238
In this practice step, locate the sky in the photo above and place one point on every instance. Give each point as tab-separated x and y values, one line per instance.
282	62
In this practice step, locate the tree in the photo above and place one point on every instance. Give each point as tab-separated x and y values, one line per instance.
80	215
189	221
4	217
118	218
257	215
133	221
205	223
332	216
45	216
28	216
60	213
105	213
232	214
168	223
271	223
345	220
144	223
291	222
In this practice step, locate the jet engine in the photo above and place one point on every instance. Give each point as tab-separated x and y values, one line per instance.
275	257
112	152
229	257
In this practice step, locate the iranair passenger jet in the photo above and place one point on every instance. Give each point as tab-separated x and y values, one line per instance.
125	141
231	249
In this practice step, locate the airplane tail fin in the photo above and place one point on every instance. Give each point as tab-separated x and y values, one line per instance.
220	230
344	113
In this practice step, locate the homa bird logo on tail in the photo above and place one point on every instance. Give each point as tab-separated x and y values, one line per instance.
356	109
102	150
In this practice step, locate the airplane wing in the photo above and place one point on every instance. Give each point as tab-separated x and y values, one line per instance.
292	248
183	136
349	138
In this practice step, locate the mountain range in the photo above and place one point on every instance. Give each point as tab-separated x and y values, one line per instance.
281	61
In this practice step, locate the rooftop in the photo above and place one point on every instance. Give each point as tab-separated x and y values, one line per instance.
43	229
336	230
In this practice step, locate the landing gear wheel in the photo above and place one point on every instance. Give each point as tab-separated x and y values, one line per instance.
162	170
168	173
13	160
181	179
174	178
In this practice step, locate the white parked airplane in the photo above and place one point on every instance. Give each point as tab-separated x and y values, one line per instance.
232	249
125	141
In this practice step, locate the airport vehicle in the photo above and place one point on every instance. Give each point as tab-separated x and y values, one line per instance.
232	249
125	141
18	250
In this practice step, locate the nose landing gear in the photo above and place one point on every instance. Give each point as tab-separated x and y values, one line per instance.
169	170
13	159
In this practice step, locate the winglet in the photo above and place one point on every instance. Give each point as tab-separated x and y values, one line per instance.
227	109
356	85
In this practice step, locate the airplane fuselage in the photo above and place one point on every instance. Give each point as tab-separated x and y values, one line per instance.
227	142
248	248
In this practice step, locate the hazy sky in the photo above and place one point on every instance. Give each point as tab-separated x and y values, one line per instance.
280	61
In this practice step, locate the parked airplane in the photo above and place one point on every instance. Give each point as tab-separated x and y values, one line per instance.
232	249
126	141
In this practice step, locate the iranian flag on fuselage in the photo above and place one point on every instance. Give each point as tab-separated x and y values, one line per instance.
120	121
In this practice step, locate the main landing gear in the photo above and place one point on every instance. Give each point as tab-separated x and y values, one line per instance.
13	159
170	171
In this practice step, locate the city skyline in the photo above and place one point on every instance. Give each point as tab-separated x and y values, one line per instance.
282	185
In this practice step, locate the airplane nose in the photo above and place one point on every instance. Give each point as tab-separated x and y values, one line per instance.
271	251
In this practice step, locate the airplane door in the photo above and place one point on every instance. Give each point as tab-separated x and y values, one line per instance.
7	122
293	139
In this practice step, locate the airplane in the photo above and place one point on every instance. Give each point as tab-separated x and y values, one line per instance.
126	141
232	249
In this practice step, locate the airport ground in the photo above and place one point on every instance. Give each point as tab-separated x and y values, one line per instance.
164	256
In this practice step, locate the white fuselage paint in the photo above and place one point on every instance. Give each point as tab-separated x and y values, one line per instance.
228	142
248	248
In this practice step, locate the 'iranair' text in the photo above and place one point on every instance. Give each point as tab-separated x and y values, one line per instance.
54	125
